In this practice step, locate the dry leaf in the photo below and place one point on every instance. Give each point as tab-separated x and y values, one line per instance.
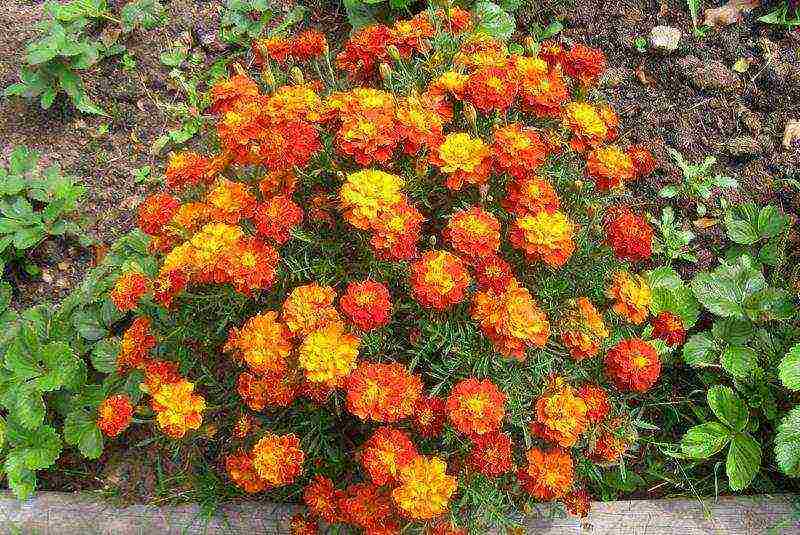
730	13
705	222
100	252
792	133
643	77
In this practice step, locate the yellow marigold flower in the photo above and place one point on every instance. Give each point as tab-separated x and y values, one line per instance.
367	192
452	82
229	202
178	409
328	353
439	279
277	459
561	414
473	232
610	167
632	296
511	319
212	240
180	258
583	329
309	307
263	342
191	215
586	124
292	102
464	159
528	67
425	488
544	236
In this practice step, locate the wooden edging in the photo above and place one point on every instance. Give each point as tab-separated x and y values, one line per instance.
55	513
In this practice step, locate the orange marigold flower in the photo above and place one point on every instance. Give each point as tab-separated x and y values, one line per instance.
287	144
578	503
425	488
267	390
322	499
542	90
511	319
188	169
114	415
609	167
491	89
243	426
303	525
129	288
529	196
278	459
328	354
308	307
156	211
632	365
473	232
318	393
239	466
454	19
491	454
365	49
628	234
408	35
585	64
429	416
367	304
596	399
583	330
178	409
610	445
274	183
137	341
561	415
158	373
632	296
309	44
385	453
549	474
439	280
294	103
168	285
643	162
588	126
191	216
544	236
230	202
225	93
250	265
367	192
451	82
476	407
263	342
396	232
417	126
668	327
464	159
368	139
276	47
552	52
276	218
492	273
382	392
369	507
517	150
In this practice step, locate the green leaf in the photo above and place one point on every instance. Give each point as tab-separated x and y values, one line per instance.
743	462
493	20
739	361
787	443
724	291
20	361
87	105
741	231
704	440
631	482
28	406
770	304
26	238
145	13
104	355
789	369
62	366
5	295
89	326
728	407
21	480
733	332
700	350
47	98
81	430
664	277
771	222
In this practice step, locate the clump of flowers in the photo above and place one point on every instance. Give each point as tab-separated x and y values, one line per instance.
114	415
583	330
382	392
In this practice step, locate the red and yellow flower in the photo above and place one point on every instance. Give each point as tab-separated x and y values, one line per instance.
278	459
549	474
277	217
364	50
560	415
239	466
367	304
429	416
424	489
382	392
263	342
668	326
596	399
609	167
491	454
476	407
584	63
492	273
226	93
632	365
137	341
583	330
157	211
178	409
529	196
588	124
114	415
328	354
129	288
490	89
385	453
473	232
309	307
438	280
544	236
463	159
189	168
369	507
632	296
322	499
396	232
518	151
366	193
628	234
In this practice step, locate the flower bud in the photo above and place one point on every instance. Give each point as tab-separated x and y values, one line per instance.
531	46
267	76
471	115
393	52
385	71
578	185
297	75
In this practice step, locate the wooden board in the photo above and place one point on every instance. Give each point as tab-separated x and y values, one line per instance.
53	513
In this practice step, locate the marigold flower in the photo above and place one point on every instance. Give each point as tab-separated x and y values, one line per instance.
178	409
243	426
464	159
628	234
328	353
137	341
283	182
669	327
263	343
396	232
367	192
276	218
230	202
168	285
303	525
417	126
609	445
129	288
492	273
156	211
583	330
561	415
204	250
385	453
542	90
191	216
365	49
225	93
552	52
609	167
367	304
529	196
276	47
114	415
544	236
585	64
368	139
549	474
369	507
429	416
632	365
596	399
578	503
491	454
476	407
309	44
158	373
309	307
473	232
239	466
425	488
249	265
322	499
188	169
278	459
518	151
408	35
632	296
511	319
491	89
439	280
588	126
286	144
643	162
382	392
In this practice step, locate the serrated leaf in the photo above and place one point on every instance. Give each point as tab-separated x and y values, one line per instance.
89	326
80	429
20	361
700	350
771	222
104	355
21	480
28	406
704	440
664	277
739	361
725	290
787	443
732	331
789	369
5	296
28	237
728	407
770	304
493	20
741	232
743	462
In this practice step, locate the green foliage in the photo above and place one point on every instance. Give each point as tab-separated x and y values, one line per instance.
698	181
669	293
245	20
784	15
145	14
670	240
761	233
35	203
494	20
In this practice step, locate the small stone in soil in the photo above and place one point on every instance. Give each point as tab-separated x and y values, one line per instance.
708	75
744	146
665	38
